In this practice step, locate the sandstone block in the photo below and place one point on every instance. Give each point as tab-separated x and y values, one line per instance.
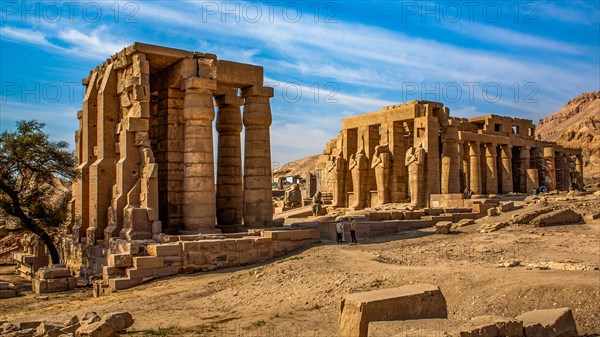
57	285
492	326
492	211
29	325
144	262
170	249
443	227
48	330
124	283
53	272
434	327
90	317
39	286
120	260
134	273
119	320
8	293
550	322
506	206
417	301
97	329
379	216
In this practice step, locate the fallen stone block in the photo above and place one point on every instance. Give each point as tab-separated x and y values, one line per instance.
90	317
492	211
119	320
124	283
549	323
29	325
506	206
97	329
557	217
492	326
48	330
417	301
443	227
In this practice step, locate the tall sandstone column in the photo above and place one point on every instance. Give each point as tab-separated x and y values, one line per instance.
88	139
102	171
579	169
507	174
451	162
525	159
198	171
475	174
491	173
230	192
258	194
550	171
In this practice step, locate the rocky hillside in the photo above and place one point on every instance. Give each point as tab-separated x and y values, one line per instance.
577	124
299	166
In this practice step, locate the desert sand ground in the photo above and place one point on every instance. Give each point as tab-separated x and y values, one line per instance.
299	295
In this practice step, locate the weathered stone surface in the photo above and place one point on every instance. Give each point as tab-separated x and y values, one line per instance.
492	326
55	271
549	323
119	320
90	317
97	329
435	327
403	303
443	227
557	217
8	293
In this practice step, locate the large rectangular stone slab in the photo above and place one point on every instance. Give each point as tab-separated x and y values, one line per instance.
549	322
416	301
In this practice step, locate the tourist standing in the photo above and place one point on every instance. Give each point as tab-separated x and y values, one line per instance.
353	230
339	229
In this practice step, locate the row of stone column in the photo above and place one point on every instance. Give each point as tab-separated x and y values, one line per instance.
250	199
475	181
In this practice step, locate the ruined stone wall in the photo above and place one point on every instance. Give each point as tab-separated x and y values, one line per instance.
488	154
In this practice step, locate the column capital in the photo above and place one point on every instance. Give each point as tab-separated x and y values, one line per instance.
199	83
257	90
228	99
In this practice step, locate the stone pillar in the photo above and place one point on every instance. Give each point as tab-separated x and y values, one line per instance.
549	168
198	171
450	162
507	173
258	195
525	159
88	139
230	192
532	179
382	164
491	173
579	169
466	169
475	167
102	171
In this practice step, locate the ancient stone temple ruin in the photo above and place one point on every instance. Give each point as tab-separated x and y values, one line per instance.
416	152
149	202
145	146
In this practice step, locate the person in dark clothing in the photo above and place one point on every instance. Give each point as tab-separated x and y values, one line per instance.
353	230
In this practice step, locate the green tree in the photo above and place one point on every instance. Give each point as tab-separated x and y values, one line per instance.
30	166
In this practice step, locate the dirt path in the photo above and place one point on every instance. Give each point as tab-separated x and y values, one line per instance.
300	294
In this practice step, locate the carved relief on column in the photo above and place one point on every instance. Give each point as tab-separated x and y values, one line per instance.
415	161
491	174
475	168
230	192
335	169
382	164
525	159
451	162
549	168
358	166
258	195
507	174
199	197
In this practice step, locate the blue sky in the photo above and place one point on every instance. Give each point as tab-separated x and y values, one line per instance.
326	60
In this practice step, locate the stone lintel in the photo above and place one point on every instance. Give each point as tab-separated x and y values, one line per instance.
199	83
257	90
